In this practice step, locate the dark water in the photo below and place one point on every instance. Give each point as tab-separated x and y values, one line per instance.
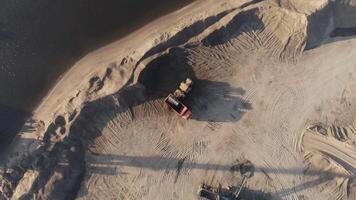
11	120
41	39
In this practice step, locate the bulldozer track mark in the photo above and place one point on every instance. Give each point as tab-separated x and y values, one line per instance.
164	144
132	192
345	134
251	95
338	151
214	126
285	95
200	147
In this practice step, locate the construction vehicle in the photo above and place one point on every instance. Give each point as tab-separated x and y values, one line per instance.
174	100
230	193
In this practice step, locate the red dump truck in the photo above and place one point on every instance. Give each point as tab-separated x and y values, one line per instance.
174	100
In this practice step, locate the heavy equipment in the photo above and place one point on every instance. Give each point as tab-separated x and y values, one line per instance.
174	100
232	192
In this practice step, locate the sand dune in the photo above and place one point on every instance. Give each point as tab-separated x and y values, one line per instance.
263	71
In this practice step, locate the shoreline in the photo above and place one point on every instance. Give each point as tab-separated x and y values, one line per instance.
54	56
42	41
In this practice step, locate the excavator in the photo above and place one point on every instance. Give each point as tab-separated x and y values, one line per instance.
174	100
232	192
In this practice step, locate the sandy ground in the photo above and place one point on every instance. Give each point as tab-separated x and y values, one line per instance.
274	84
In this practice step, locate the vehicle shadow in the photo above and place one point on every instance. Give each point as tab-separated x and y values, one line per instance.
217	102
209	100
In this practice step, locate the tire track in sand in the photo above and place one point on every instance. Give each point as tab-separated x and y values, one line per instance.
342	153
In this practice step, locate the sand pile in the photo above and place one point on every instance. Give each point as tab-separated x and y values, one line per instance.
104	131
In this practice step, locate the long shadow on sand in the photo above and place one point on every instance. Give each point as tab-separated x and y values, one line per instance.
110	165
155	163
187	33
198	27
244	22
320	21
159	163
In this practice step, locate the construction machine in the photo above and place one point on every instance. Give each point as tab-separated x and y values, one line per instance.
174	100
232	192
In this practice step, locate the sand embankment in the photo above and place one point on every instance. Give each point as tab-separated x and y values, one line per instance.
40	40
103	131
